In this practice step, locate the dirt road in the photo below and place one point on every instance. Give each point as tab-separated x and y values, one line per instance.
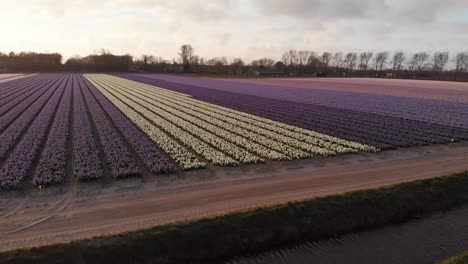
82	211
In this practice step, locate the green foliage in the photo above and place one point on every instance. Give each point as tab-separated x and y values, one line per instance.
460	259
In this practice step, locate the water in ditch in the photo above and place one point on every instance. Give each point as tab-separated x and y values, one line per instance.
426	240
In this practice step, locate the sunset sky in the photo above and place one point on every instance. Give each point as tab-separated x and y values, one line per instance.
248	29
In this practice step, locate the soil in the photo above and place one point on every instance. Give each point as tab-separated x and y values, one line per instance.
74	211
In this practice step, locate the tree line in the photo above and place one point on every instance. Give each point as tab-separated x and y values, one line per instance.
421	65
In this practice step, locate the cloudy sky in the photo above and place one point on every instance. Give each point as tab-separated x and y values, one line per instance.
248	29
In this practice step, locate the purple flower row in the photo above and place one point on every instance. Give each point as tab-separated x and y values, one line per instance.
52	163
11	134
87	164
119	160
11	102
428	110
153	158
378	130
16	167
18	110
10	86
15	87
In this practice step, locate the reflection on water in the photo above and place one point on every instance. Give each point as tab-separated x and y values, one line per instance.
422	241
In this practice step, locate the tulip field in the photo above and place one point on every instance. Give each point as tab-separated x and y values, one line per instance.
87	127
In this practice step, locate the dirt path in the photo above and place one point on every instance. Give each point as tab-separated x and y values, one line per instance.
60	215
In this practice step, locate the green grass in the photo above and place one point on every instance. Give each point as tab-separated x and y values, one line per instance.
210	240
460	259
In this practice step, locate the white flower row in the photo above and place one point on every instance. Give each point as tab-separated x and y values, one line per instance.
205	119
173	127
226	131
333	143
292	135
208	137
177	152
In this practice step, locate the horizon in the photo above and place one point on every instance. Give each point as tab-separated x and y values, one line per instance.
220	27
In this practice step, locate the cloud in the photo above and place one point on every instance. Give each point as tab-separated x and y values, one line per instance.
233	28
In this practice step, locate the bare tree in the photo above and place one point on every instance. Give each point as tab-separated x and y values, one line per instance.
237	62
398	59
350	60
439	60
461	62
364	59
237	65
325	59
380	59
303	57
186	56
418	60
338	59
291	59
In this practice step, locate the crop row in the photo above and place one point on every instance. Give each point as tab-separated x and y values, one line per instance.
87	164
265	127
231	137
377	130
10	103
15	168
199	146
119	160
151	156
234	131
18	84
13	103
19	87
51	166
206	121
177	152
282	132
447	113
11	134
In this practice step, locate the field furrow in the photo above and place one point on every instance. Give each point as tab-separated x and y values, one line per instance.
13	88
10	102
264	135
51	166
265	126
177	152
87	164
247	139
10	135
119	160
15	169
202	148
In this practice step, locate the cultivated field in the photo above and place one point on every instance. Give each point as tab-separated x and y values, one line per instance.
97	154
7	77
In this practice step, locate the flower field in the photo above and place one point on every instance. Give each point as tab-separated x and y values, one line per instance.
385	122
60	127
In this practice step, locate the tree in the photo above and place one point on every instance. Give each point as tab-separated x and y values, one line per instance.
186	56
418	61
338	59
303	58
263	63
325	59
439	60
397	61
364	59
237	65
350	61
380	59
461	62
